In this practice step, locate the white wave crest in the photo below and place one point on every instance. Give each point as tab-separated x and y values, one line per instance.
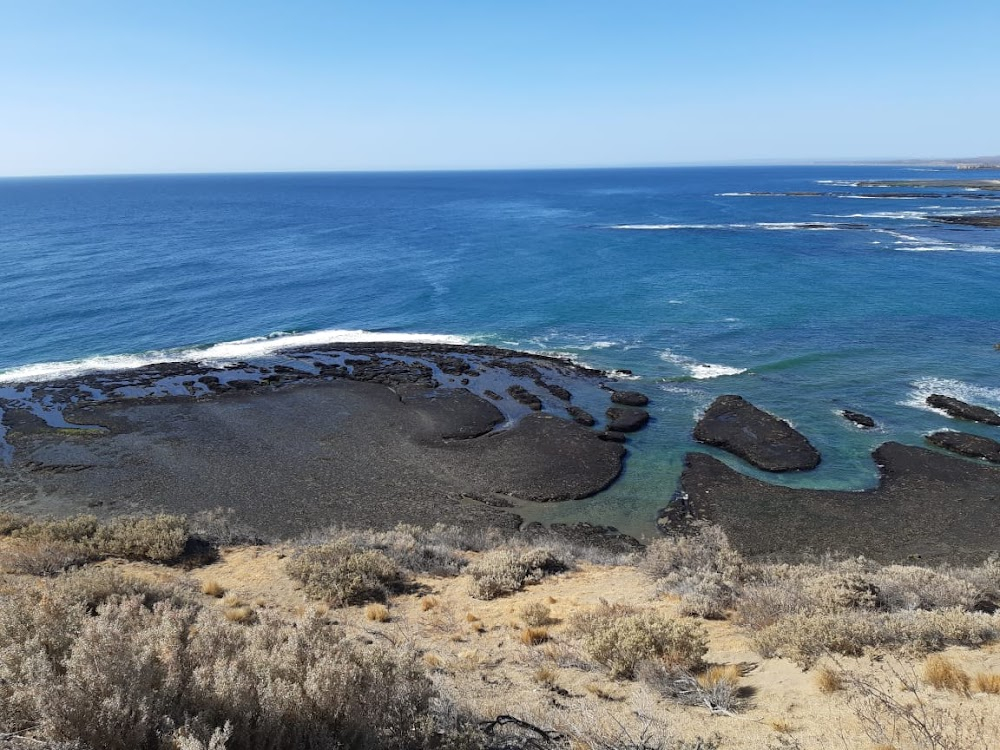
734	195
228	351
908	215
699	370
968	392
663	227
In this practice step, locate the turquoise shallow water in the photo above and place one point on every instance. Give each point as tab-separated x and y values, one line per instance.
676	274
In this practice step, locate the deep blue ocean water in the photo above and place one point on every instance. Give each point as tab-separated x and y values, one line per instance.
676	274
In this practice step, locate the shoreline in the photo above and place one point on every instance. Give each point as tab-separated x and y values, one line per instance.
359	434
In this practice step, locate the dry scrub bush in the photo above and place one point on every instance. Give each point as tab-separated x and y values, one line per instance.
894	711
842	590
506	570
437	550
942	673
622	643
912	587
806	637
129	676
716	688
702	569
343	574
536	613
28	557
45	544
159	538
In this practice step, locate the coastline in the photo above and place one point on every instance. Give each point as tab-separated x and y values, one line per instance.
367	434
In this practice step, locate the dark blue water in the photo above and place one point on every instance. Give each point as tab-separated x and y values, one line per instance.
668	272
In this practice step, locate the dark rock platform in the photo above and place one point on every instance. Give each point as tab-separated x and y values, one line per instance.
761	439
974	446
360	435
927	506
961	410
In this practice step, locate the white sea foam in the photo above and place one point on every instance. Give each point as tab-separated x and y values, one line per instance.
882	197
228	351
968	392
789	226
663	227
699	370
907	215
838	183
735	195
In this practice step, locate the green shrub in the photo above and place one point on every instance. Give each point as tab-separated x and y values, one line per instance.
342	574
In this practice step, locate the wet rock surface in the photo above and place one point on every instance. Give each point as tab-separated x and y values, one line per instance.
961	410
974	446
581	416
626	419
861	420
926	506
365	435
629	398
761	439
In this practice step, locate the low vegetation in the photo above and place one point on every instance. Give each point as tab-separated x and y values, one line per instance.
100	648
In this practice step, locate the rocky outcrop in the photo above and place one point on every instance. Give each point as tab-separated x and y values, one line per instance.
626	419
580	416
926	505
974	446
861	420
629	398
961	410
761	439
523	396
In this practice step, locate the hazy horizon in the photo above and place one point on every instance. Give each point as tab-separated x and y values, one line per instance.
114	88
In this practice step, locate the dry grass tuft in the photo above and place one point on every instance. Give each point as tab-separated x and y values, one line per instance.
432	660
536	613
534	636
828	680
545	676
239	614
232	600
470	617
213	588
986	682
428	602
942	673
782	726
719	673
377	613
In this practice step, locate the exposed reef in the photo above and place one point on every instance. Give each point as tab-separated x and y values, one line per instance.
362	435
961	410
974	446
927	505
761	439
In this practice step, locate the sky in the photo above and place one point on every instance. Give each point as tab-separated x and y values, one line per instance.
104	87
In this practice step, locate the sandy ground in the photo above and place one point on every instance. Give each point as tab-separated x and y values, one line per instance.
475	653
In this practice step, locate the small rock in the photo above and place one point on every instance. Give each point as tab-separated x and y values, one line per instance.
580	416
612	436
861	420
626	419
524	396
629	398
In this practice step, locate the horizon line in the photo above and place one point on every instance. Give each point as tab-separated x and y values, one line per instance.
432	170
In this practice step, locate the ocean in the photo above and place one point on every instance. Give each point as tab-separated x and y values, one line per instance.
792	286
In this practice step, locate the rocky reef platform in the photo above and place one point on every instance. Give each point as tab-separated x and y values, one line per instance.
367	435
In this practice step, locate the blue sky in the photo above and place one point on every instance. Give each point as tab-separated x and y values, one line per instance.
124	87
